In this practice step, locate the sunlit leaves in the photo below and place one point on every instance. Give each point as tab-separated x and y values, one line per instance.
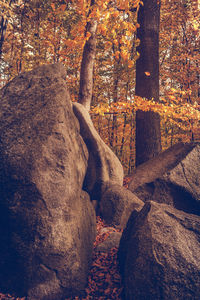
53	6
179	53
177	110
147	73
56	31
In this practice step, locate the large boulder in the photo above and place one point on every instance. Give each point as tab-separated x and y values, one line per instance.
173	177
159	254
103	164
47	223
117	204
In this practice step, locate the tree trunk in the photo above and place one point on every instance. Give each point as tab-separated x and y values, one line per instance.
2	33
87	65
148	136
3	27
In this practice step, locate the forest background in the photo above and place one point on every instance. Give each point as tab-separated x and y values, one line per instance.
36	32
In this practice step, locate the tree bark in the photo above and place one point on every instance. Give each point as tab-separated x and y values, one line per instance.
148	136
3	27
2	33
87	65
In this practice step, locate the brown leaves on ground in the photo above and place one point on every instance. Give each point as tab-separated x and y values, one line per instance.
104	281
9	297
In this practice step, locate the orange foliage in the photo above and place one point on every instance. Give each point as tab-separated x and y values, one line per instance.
55	31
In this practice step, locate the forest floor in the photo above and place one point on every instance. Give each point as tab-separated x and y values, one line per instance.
104	281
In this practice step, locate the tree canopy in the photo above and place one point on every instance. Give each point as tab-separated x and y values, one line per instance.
38	32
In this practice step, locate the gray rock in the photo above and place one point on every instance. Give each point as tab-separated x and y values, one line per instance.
47	223
159	254
173	177
103	164
112	241
117	203
187	173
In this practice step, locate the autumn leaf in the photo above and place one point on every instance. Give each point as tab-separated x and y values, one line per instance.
124	54
115	14
88	35
131	64
173	90
53	6
195	25
147	73
63	7
117	53
102	29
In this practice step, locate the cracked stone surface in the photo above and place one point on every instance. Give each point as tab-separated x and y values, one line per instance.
187	173
47	223
117	203
173	177
159	254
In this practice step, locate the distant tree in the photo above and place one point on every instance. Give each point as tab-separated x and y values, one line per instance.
96	41
4	22
148	136
87	64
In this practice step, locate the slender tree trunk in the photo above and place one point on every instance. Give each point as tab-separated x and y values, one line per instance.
87	65
148	136
115	99
2	33
132	136
123	136
3	27
125	122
